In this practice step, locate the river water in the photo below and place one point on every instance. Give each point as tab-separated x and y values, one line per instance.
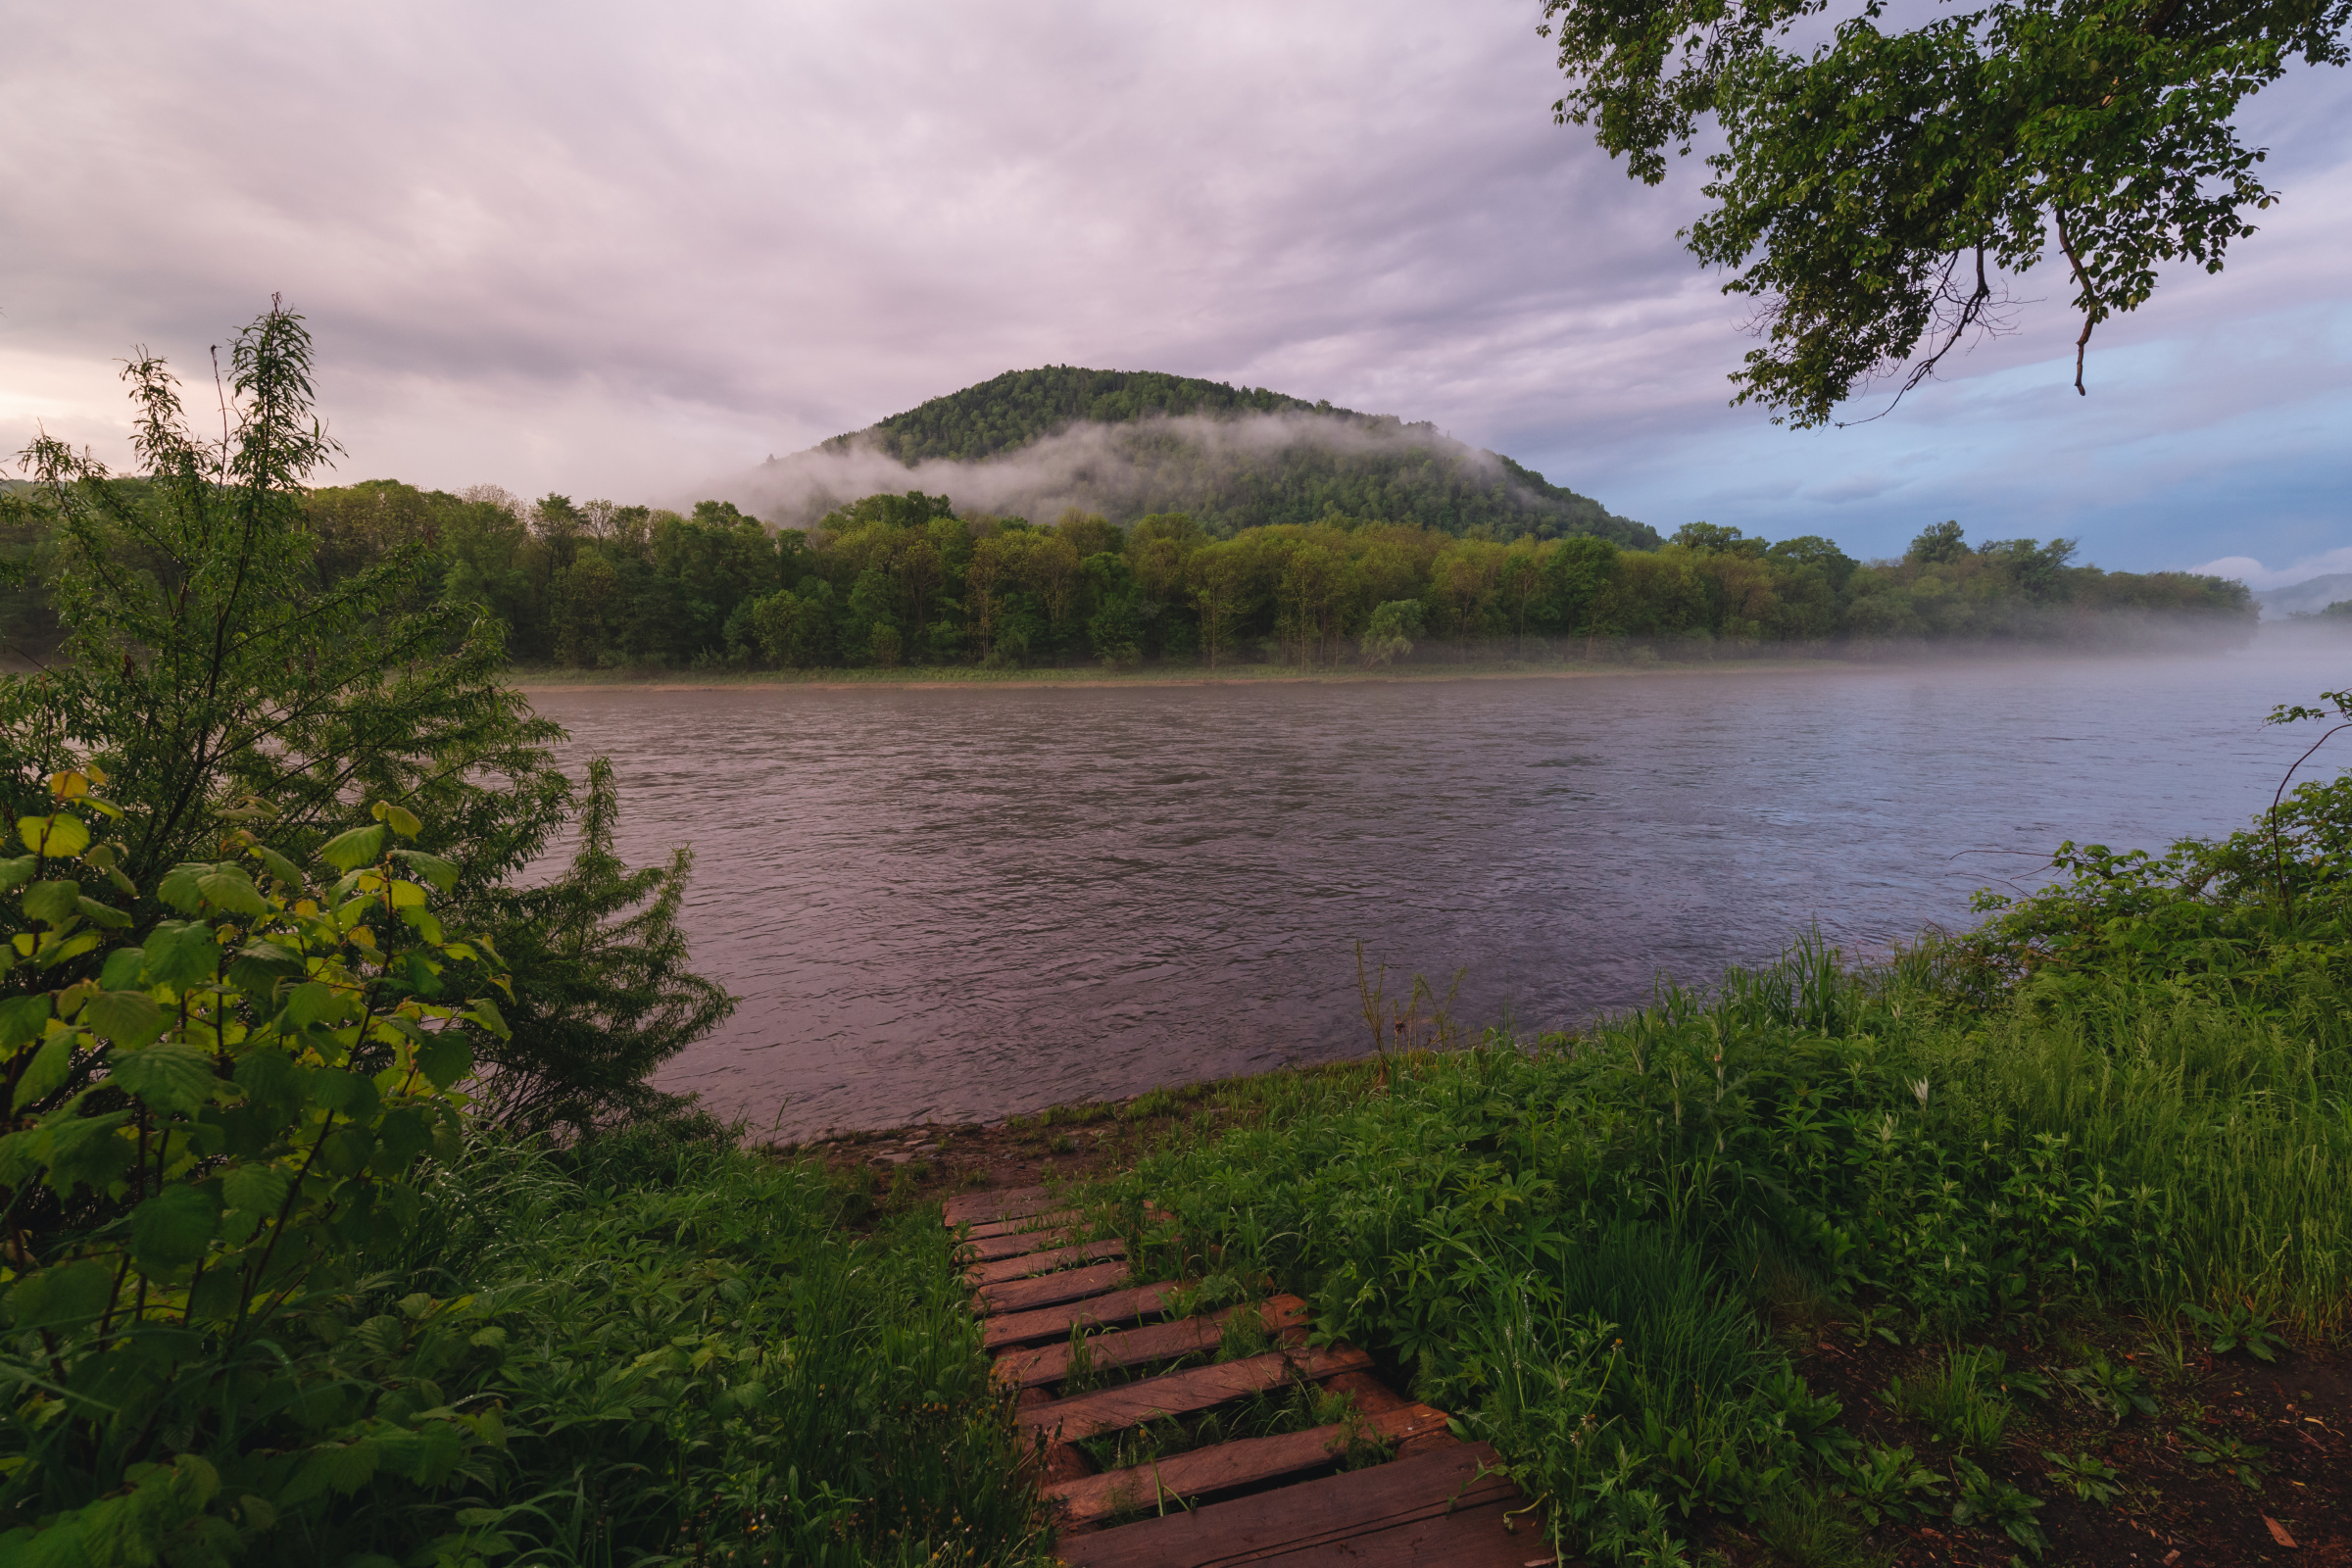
955	904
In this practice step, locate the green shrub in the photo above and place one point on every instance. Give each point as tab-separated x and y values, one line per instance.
205	1131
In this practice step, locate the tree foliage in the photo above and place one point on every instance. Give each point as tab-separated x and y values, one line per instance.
1874	188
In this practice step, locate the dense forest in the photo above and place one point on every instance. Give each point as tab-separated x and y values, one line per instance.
902	580
1136	444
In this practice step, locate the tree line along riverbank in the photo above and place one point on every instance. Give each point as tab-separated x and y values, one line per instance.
902	581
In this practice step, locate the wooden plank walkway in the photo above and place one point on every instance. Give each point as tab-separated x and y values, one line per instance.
1037	1278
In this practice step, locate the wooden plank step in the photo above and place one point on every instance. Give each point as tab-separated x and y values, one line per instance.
1014	1246
1054	1322
1242	1462
1024	1225
981	1208
1087	1415
1047	1290
1433	1508
1044	1262
1154	1342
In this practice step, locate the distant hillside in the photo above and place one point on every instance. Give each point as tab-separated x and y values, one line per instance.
2306	598
1131	443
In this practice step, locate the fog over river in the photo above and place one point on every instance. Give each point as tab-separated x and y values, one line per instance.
955	904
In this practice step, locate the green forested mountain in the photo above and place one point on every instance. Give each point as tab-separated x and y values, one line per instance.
1033	442
1021	406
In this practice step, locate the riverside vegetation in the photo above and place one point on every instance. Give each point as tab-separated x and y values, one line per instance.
340	1226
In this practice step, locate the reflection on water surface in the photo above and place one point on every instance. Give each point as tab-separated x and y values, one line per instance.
960	902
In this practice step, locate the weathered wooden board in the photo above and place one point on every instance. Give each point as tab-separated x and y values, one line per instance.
982	1209
1048	1290
1054	1322
1044	1262
1433	1509
1153	1341
1087	1415
1014	1245
1242	1462
1025	1225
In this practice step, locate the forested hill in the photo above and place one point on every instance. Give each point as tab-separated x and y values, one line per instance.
1021	406
1131	444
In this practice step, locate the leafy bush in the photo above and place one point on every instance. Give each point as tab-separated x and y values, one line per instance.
205	1132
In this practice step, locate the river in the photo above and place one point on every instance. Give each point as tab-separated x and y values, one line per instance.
955	904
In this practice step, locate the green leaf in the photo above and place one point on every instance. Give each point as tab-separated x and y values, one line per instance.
53	902
174	1076
171	1229
123	968
348	1094
128	1018
60	836
400	822
74	947
48	1069
178	887
348	851
271	1078
312	1002
20	1019
15	874
83	1151
439	872
401	1136
278	866
180	954
103	915
445	1058
63	1297
256	1188
227	887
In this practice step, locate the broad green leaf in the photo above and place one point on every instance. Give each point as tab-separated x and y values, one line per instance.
439	872
347	852
53	902
278	866
180	954
61	1296
271	1078
171	1229
400	822
227	887
123	968
60	836
408	895
348	1094
173	1076
485	1012
312	1002
128	1018
401	1136
178	887
445	1058
20	1019
15	874
74	947
48	1069
256	1188
103	915
84	1151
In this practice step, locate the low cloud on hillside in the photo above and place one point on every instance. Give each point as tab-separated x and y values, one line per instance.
1186	464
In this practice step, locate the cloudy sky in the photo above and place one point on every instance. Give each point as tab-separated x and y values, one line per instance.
623	252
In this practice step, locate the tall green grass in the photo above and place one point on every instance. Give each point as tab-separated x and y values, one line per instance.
689	1359
1569	1243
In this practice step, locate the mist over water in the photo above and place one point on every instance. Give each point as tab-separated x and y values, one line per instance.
961	903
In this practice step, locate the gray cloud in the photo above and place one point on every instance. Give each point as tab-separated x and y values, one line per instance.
604	251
